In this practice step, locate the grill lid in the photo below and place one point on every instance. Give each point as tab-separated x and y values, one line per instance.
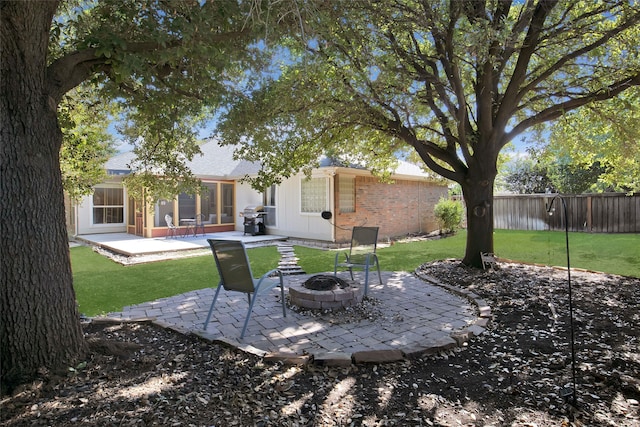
253	211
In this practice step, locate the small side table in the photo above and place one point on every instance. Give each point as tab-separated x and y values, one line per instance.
190	226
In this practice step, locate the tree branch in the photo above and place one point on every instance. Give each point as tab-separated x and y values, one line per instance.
71	70
530	44
518	27
562	61
558	110
76	67
427	151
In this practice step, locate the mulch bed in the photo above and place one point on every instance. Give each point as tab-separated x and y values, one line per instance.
514	374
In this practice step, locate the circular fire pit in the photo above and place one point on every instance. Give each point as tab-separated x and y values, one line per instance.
325	292
324	282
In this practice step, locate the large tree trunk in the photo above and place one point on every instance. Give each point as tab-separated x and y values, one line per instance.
478	198
39	322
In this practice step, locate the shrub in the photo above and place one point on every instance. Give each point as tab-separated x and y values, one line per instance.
449	214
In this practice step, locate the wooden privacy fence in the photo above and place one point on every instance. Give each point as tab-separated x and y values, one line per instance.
598	213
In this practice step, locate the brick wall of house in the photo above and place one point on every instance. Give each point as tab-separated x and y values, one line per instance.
398	208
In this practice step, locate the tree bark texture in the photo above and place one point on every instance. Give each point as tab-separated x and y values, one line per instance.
477	191
39	322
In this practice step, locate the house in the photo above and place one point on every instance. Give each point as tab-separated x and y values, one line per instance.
299	207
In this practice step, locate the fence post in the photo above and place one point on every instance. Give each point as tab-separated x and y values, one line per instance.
589	215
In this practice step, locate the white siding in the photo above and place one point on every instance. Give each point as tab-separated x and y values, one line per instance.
291	222
84	219
245	196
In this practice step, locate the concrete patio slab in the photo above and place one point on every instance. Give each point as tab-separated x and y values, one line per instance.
131	245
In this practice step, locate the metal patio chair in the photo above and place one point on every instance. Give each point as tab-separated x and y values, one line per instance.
235	275
173	229
199	225
361	255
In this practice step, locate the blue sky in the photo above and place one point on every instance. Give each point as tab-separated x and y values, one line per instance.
520	143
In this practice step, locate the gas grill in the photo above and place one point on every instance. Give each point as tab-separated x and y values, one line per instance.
254	220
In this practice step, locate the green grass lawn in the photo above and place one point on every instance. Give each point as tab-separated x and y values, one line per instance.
102	285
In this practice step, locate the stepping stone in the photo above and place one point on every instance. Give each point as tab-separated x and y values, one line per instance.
288	264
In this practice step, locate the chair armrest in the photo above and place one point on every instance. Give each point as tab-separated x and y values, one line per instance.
371	256
272	273
269	276
358	259
346	256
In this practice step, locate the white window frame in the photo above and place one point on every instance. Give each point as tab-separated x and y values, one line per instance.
122	206
269	203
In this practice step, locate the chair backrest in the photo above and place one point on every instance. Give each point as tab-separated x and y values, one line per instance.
169	220
233	265
364	240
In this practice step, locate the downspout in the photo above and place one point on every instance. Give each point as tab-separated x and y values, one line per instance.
75	219
420	206
334	203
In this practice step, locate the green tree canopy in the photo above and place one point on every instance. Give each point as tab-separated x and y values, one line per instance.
167	65
87	143
453	80
538	171
525	175
607	134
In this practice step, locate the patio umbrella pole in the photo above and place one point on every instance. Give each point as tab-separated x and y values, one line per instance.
564	392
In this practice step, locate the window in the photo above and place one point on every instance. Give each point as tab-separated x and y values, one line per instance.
209	203
227	204
186	207
108	206
269	196
269	203
347	193
163	207
217	203
313	197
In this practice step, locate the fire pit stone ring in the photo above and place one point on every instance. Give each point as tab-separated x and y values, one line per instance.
334	299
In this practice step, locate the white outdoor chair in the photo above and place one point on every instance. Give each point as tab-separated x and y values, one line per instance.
172	228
